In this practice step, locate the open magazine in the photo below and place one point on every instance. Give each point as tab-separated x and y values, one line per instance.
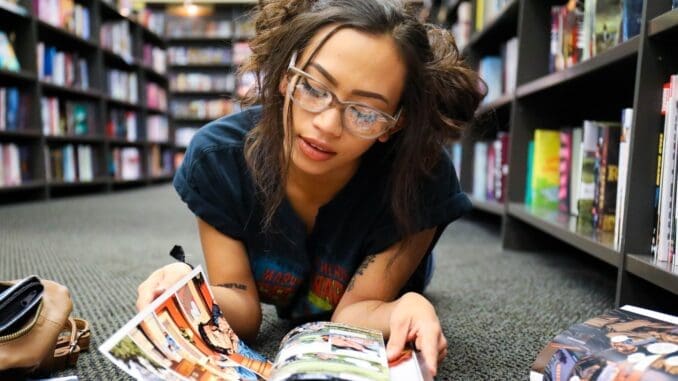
629	343
182	335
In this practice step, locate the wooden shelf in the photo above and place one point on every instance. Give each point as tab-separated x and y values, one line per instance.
664	24
602	61
491	207
566	228
202	66
162	178
501	102
75	139
21	76
125	142
21	134
154	75
122	103
156	111
199	40
117	59
27	186
661	274
202	93
51	34
192	120
97	181
72	91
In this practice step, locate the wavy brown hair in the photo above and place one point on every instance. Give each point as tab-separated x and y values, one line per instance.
439	97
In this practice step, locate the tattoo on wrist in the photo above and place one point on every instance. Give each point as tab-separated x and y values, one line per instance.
361	270
238	286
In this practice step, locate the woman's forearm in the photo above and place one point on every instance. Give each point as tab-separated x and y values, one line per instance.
374	314
241	311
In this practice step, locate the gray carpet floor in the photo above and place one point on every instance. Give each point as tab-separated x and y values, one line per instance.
498	308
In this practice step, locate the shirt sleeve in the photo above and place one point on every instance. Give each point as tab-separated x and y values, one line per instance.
441	202
210	182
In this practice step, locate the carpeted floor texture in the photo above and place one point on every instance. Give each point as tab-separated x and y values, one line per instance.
498	308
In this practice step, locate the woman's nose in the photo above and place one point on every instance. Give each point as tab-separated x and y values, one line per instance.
329	121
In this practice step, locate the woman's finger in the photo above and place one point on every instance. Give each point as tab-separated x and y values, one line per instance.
398	338
427	343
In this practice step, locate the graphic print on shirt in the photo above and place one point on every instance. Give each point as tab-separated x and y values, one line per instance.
327	286
276	283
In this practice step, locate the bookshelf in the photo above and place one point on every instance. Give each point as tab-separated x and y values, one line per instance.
63	137
630	74
203	54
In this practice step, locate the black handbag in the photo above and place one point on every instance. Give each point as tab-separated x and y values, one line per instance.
19	303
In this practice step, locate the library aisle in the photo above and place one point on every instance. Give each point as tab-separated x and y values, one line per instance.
497	310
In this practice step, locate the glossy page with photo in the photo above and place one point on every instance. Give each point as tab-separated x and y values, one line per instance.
182	335
629	343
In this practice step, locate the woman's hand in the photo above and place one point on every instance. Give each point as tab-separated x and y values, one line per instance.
414	319
159	281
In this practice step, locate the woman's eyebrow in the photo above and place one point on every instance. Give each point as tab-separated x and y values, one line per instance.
334	82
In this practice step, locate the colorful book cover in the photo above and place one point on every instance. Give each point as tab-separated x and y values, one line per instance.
565	169
587	181
631	18
575	169
607	24
628	343
624	143
546	172
528	177
608	148
8	60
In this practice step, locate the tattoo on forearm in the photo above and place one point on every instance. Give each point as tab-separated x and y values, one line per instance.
238	286
361	270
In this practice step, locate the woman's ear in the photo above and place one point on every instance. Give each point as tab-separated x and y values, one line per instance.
282	87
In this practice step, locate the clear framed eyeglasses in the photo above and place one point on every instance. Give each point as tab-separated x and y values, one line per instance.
359	119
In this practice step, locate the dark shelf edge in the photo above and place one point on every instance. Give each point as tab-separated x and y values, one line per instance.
70	90
584	243
498	103
23	187
97	181
21	134
663	23
618	53
491	207
643	267
23	75
66	33
75	139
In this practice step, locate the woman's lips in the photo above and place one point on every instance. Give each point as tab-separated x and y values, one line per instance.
314	149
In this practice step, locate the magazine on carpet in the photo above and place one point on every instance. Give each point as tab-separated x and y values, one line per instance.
629	343
182	335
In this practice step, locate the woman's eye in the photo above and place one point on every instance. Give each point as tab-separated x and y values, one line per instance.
313	90
366	117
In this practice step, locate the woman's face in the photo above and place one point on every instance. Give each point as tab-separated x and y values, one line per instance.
356	67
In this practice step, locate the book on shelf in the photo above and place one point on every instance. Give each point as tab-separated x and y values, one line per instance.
575	169
606	173
622	178
565	169
8	60
14	164
545	173
628	343
529	172
587	179
666	207
606	26
182	335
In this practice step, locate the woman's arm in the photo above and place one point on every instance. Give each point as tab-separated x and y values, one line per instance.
231	280
370	301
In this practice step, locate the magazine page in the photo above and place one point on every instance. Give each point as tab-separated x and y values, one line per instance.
331	351
617	345
409	366
182	335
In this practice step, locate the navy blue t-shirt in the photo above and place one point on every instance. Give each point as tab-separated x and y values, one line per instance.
304	275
